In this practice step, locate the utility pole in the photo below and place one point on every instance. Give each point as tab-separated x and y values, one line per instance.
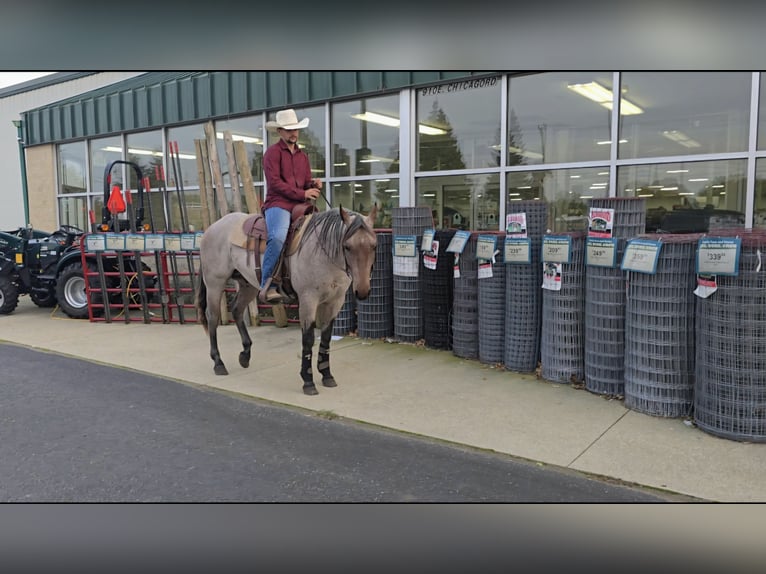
23	164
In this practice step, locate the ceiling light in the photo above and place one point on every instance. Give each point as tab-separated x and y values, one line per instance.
685	192
645	195
699	179
599	94
677	171
681	138
532	154
394	123
237	137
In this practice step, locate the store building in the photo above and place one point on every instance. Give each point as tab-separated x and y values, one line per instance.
467	144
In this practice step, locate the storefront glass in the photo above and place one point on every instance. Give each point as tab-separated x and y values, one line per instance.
759	206
249	131
461	201
360	195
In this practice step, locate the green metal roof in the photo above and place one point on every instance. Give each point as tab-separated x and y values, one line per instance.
158	99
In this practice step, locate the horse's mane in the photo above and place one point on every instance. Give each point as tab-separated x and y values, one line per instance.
328	229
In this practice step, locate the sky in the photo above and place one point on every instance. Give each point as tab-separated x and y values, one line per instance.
12	78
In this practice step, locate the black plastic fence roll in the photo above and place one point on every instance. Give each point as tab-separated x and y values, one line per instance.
491	307
562	345
408	303
659	330
437	293
465	304
345	321
730	368
375	315
605	300
524	298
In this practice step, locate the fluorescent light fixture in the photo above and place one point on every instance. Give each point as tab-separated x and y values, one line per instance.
607	142
382	180
681	138
358	191
677	171
674	188
391	190
516	199
575	176
237	137
601	95
394	123
699	179
514	194
429	195
138	151
603	173
339	164
376	158
524	187
645	195
719	186
586	197
685	192
357	185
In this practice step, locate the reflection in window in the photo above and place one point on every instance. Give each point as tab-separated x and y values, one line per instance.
310	139
567	193
103	151
559	118
74	211
365	137
459	125
759	206
250	132
687	197
72	173
461	201
360	195
185	138
685	113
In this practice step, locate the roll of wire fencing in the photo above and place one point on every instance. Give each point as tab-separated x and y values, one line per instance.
491	300
562	344
730	368
523	295
615	219
465	303
408	223
436	271
345	322
659	330
375	315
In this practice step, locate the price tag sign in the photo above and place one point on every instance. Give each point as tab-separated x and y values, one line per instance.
155	242
96	242
556	248
172	242
641	255
718	255
517	250
427	239
135	242
404	246
601	252
458	241
115	241
485	247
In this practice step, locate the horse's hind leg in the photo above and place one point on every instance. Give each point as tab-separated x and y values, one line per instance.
323	356
245	294
309	387
213	314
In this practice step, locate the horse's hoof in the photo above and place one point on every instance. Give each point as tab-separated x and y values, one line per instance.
220	370
244	360
329	382
310	390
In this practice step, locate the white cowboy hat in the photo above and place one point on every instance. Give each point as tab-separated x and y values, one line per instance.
288	120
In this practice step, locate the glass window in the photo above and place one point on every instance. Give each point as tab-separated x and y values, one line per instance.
310	139
762	113
74	211
250	132
365	137
683	113
184	137
688	197
459	125
362	194
462	201
103	151
72	171
759	209
553	118
566	191
145	150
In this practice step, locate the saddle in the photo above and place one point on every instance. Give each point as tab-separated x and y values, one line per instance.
255	235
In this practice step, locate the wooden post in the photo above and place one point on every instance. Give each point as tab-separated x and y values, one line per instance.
215	167
251	198
209	191
233	177
202	184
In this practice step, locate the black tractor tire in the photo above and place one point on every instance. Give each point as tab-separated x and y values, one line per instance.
70	290
9	296
43	298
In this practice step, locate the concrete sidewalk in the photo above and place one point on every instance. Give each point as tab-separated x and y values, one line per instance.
425	392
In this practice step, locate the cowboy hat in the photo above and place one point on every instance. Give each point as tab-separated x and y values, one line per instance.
288	120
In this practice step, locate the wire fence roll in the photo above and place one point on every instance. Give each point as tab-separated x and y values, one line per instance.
345	322
437	293
523	295
730	368
375	315
659	330
491	305
408	300
465	304
605	300
562	345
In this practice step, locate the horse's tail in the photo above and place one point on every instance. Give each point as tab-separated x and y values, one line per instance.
201	302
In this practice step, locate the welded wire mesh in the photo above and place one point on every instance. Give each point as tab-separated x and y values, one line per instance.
523	296
437	294
465	304
605	301
408	301
491	308
375	315
730	368
659	330
562	344
345	321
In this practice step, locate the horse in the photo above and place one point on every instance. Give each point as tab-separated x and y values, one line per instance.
336	249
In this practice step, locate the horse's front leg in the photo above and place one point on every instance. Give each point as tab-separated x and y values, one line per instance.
308	378
323	357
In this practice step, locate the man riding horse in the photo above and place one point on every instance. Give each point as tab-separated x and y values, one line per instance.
289	184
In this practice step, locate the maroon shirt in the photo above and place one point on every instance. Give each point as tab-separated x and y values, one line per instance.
288	175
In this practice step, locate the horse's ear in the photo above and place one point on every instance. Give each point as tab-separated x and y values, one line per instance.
344	215
373	215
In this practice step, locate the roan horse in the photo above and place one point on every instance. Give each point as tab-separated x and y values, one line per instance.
337	247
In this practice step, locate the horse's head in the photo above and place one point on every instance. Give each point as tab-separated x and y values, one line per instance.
359	245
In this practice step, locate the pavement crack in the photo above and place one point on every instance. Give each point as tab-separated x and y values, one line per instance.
595	440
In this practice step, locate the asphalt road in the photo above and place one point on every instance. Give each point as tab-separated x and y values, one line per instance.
78	431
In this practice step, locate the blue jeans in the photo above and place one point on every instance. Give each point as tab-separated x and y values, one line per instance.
277	225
